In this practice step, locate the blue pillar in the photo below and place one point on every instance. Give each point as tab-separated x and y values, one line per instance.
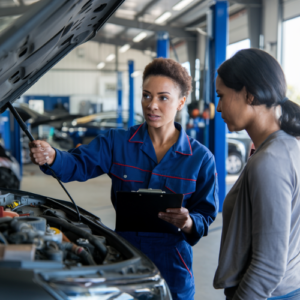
162	46
131	93
15	139
220	18
11	135
5	129
120	120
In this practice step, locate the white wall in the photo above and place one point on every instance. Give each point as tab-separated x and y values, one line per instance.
78	77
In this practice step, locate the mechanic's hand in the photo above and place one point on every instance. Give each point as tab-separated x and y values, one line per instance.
179	217
41	152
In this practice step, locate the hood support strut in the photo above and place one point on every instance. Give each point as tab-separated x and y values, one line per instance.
31	138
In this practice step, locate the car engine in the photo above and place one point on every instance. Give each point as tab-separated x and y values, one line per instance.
45	244
37	232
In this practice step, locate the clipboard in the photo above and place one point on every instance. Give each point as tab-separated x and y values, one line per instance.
138	211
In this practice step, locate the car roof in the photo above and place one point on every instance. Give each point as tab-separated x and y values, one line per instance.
41	37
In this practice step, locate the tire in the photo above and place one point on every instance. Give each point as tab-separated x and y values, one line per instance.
234	163
8	179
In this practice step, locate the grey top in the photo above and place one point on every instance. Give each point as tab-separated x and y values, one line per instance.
260	244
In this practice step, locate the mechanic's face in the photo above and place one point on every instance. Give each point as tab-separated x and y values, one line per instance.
234	106
161	100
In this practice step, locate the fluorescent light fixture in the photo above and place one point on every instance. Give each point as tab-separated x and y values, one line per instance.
110	57
136	74
182	4
101	65
124	48
148	52
165	16
140	36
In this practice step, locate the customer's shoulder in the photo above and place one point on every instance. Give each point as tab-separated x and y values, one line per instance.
279	145
275	154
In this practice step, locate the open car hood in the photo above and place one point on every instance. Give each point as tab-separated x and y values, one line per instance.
41	37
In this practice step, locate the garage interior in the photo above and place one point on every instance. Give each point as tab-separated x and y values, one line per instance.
100	82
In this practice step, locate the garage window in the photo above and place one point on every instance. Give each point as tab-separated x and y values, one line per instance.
291	58
235	47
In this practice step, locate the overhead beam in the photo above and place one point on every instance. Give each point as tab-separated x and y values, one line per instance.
14	11
249	3
197	23
146	8
202	5
173	31
21	2
143	45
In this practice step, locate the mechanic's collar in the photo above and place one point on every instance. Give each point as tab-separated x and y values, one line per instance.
182	146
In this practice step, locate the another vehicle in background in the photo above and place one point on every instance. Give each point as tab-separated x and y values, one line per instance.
239	144
83	130
9	170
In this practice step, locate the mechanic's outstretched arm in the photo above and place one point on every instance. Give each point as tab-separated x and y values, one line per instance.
80	164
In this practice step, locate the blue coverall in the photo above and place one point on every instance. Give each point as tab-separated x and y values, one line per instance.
129	158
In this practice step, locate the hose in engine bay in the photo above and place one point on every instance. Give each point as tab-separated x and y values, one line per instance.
79	251
93	240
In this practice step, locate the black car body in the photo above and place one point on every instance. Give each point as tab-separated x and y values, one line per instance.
51	251
9	170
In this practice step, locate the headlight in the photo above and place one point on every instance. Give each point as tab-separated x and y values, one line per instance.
99	289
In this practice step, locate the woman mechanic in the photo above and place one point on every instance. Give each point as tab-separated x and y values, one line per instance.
260	247
157	154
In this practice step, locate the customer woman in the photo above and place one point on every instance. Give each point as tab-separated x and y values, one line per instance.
159	155
260	246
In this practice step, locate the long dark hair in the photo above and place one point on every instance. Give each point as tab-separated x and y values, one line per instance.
262	76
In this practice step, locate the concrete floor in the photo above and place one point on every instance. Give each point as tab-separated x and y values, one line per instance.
94	196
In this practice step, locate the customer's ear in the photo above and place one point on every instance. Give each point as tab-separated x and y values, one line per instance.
248	96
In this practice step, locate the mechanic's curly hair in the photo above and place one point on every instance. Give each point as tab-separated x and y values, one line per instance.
172	69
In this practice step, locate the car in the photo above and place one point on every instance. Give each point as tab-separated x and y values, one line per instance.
50	248
236	158
9	170
239	144
41	125
83	130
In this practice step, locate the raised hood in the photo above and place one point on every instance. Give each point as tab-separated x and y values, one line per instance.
41	37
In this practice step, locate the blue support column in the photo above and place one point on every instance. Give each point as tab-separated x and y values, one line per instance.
220	20
11	135
16	145
5	129
163	44
120	95
131	93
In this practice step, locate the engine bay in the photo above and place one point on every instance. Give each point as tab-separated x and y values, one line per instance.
39	231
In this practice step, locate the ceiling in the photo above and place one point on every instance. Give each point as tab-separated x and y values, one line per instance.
136	16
